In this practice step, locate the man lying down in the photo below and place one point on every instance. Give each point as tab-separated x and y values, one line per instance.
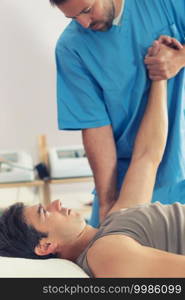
133	231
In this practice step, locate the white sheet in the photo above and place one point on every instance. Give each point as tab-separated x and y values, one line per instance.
31	268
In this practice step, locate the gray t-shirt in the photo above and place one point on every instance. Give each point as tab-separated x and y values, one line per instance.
154	225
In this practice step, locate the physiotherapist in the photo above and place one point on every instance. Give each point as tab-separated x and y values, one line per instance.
103	85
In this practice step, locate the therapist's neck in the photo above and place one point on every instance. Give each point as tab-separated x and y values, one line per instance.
117	4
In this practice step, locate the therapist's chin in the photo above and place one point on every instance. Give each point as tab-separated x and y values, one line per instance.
103	27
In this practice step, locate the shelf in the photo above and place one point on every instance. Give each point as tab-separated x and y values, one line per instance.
45	184
70	180
21	184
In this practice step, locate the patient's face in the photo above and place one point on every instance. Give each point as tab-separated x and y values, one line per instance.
61	224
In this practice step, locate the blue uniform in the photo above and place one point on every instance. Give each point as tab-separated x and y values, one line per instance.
102	80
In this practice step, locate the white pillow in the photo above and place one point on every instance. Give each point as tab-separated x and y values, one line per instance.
43	268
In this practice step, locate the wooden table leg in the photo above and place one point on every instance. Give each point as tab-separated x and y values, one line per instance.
46	193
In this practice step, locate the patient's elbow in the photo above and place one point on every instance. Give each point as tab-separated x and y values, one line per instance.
156	156
151	155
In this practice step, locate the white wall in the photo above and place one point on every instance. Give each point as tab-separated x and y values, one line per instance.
29	30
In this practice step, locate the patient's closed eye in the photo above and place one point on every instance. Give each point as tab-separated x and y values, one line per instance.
41	210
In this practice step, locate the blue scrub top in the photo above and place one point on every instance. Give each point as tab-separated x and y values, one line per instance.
102	79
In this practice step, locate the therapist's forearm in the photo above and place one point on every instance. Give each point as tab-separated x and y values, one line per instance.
101	152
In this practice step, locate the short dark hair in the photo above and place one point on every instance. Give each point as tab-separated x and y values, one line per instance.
18	239
57	2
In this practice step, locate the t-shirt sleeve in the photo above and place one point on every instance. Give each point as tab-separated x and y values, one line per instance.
80	101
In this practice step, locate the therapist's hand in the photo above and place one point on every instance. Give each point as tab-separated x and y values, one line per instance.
104	209
170	42
168	61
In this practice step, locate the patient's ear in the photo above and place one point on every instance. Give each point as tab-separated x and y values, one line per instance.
44	248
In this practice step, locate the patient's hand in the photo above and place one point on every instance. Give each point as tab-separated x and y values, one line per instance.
165	58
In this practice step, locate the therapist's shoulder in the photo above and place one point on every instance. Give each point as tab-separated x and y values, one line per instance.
71	37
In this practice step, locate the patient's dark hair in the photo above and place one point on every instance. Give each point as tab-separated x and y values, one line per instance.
17	239
57	2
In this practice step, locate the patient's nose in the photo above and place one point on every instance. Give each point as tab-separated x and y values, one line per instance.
54	205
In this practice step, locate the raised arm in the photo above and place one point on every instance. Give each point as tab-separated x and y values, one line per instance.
148	150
